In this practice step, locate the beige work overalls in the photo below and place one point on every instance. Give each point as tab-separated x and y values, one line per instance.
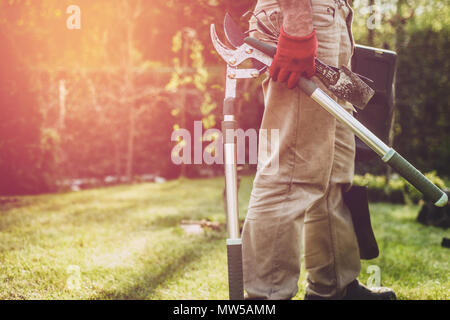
303	200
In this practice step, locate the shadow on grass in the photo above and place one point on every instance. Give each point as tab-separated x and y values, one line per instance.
170	266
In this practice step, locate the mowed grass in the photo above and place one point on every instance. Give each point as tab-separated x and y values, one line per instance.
126	242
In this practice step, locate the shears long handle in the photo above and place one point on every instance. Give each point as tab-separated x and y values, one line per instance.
234	241
388	154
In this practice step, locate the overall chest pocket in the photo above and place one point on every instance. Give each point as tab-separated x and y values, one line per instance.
324	15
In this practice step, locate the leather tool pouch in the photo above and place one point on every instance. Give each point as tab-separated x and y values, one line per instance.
357	201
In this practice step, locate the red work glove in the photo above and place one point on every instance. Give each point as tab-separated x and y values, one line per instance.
295	57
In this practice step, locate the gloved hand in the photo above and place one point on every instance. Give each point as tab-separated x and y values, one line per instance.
295	57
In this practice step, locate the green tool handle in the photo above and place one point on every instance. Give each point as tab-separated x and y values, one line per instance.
416	178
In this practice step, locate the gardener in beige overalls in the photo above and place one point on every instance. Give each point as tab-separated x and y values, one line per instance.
303	200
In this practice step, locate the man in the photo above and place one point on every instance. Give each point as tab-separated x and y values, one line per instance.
303	200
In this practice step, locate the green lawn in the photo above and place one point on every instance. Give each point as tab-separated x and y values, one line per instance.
125	242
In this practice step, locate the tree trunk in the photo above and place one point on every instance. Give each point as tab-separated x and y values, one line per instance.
399	40
183	99
117	157
371	31
399	25
129	92
130	143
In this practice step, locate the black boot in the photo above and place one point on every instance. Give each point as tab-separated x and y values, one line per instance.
357	291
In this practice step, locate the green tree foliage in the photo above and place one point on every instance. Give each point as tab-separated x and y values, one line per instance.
418	30
26	155
114	114
423	95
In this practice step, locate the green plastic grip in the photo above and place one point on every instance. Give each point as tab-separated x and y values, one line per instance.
417	179
235	275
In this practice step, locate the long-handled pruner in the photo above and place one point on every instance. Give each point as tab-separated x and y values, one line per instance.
234	58
254	49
